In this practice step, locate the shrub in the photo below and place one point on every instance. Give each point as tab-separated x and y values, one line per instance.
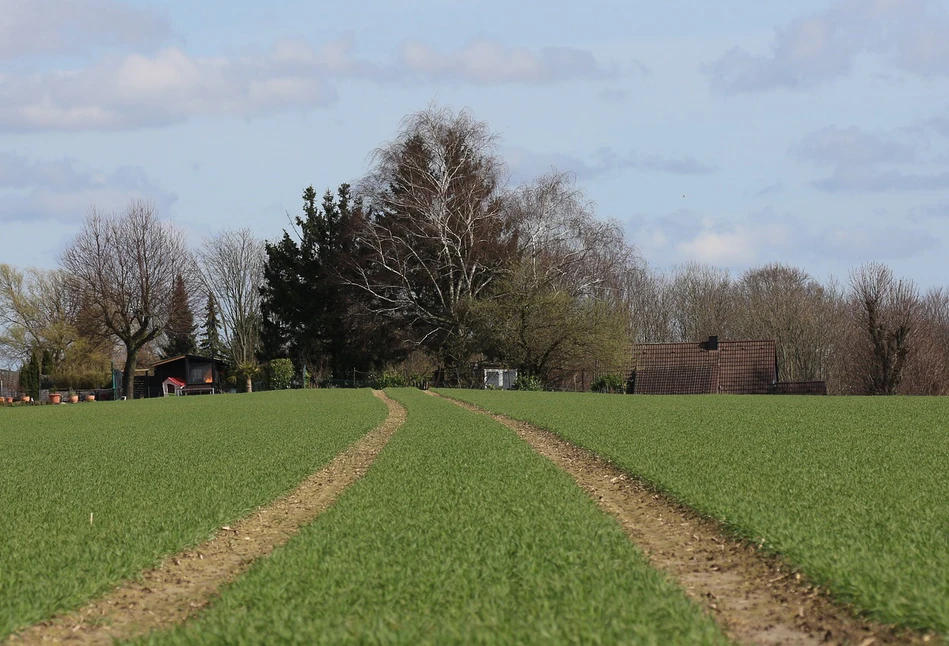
389	379
608	384
280	374
419	381
527	382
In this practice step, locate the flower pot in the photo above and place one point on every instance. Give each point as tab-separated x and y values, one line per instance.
73	399
25	399
9	400
55	398
90	398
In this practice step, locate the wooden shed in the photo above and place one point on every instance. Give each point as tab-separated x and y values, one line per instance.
197	374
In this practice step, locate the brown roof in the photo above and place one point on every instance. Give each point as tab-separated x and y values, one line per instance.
736	367
675	369
747	367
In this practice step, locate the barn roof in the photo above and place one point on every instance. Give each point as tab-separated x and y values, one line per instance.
727	367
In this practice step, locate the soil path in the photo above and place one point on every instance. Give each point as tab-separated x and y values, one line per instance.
755	598
186	582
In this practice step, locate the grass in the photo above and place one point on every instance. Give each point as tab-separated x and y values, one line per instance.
94	493
458	533
855	491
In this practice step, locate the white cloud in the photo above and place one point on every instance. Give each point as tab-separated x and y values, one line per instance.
488	61
170	85
166	87
861	179
851	146
768	236
872	163
869	243
912	34
605	161
728	249
62	190
30	28
609	160
939	210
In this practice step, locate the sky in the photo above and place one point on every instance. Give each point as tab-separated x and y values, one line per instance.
736	133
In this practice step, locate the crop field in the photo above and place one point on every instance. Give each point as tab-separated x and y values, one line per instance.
458	532
853	491
93	493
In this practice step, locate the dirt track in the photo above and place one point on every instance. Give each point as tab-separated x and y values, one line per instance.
186	582
755	598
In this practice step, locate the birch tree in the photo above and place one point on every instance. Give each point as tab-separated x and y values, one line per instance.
233	270
436	235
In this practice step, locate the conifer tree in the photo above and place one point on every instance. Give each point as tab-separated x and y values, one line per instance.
211	337
30	376
179	333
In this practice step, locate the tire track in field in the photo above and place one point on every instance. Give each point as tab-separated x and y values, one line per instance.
757	599
188	581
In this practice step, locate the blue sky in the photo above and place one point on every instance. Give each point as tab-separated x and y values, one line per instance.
736	133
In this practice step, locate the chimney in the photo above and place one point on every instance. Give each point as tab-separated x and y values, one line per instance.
712	343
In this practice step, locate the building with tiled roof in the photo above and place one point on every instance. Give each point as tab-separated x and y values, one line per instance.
712	367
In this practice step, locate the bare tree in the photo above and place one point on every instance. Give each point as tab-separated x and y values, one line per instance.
701	302
561	242
786	304
233	263
435	237
558	304
928	371
886	314
646	293
125	267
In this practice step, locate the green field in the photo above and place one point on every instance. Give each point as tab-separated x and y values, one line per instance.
155	476
458	533
855	491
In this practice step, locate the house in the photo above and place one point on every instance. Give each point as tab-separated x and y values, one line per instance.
190	374
712	367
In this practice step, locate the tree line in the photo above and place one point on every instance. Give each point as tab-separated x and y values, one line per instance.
432	265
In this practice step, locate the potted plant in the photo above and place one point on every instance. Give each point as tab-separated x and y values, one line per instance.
73	397
55	398
90	398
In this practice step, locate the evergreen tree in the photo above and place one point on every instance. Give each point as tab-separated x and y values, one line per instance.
311	311
30	376
179	333
46	369
211	336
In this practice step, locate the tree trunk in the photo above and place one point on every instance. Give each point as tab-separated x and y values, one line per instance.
250	385
128	376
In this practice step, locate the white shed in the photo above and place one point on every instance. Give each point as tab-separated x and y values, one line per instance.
500	378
